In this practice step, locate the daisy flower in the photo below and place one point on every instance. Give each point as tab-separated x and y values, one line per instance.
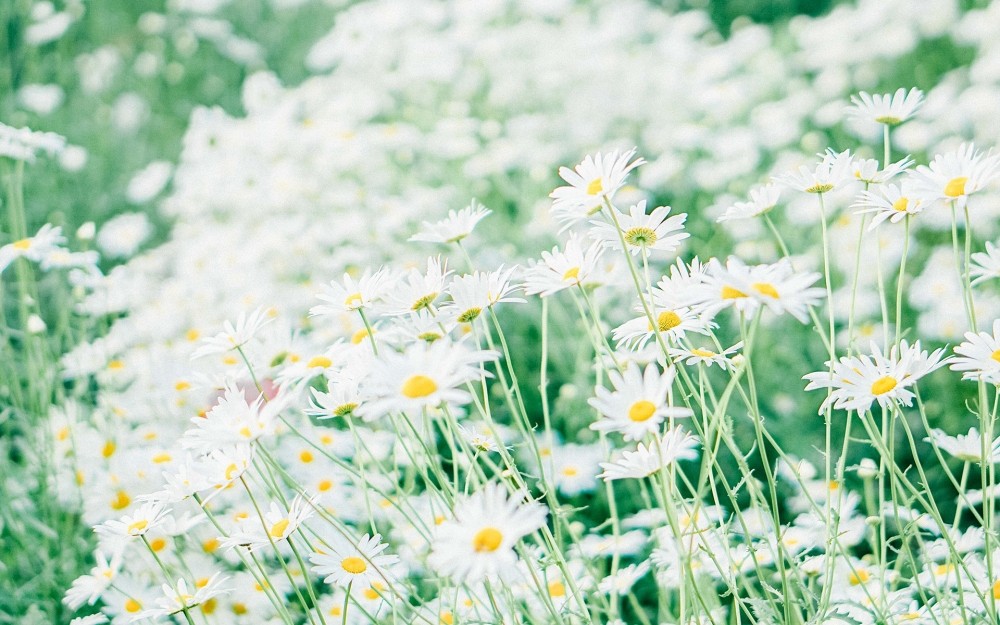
762	200
643	233
146	517
590	182
234	336
352	295
22	143
278	525
479	541
87	589
456	227
985	265
866	170
857	382
888	109
966	447
357	566
45	242
561	270
472	293
425	376
233	421
979	356
832	172
417	291
745	288
481	439
671	324
175	601
638	404
889	203
954	176
674	445
341	399
621	582
700	355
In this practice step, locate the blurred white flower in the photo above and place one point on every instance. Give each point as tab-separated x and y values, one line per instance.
121	236
148	182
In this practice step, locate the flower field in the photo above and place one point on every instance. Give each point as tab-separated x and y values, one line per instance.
499	311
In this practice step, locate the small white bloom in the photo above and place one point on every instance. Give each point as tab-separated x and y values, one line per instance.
888	109
674	445
455	228
352	565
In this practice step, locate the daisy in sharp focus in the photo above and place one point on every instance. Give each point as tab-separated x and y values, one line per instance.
674	445
857	382
762	200
890	202
979	356
562	270
832	172
671	324
888	109
417	291
643	233
455	227
985	265
638	404
353	295
341	399
354	565
471	294
596	178
234	336
954	176
479	542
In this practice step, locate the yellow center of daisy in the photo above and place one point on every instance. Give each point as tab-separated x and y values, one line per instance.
239	608
996	589
956	186
161	458
765	289
667	321
24	244
556	589
729	292
859	577
306	456
418	386
487	539
209	606
353	300
230	470
182	386
245	432
572	274
371	594
704	353
995	356
469	315
594	187
157	544
345	409
324	486
121	501
210	545
820	188
354	565
641	237
569	471
641	410
278	529
447	618
883	385
132	606
900	204
109	449
944	569
138	526
319	361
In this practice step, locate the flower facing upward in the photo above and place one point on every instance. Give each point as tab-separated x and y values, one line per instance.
455	227
832	172
234	337
762	200
355	565
352	295
888	109
590	182
674	445
479	542
979	356
561	270
638	404
643	233
857	382
954	176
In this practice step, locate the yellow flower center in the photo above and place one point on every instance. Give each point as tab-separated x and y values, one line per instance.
319	361
121	501
859	577
138	526
900	204
161	458
883	385
24	244
63	433
944	569
820	188
569	471
418	386
239	608
594	187
132	606
353	300
109	449
192	335
354	565
278	529
447	618
956	187
704	353
230	470
729	292
324	486
765	289
245	432
116	365
557	589
996	589
641	410
359	336
487	539
209	606
572	274
335	610
306	456
371	594
210	545
157	544
345	409
995	355
469	315
668	320
640	237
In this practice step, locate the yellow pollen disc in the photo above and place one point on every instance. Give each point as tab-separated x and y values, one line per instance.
594	187
859	577
668	320
245	432
192	335
765	289
201	582
418	386
116	365
324	486
641	236
883	385
370	594
109	449
132	606
438	520
469	315
353	300
487	539
230	470
278	529
359	336
944	569
956	187
569	471
24	244
239	608
138	526
319	361
572	274
704	353
306	456
447	618
326	439
995	355
241	515
230	360
63	433
335	610
996	590
900	204
79	478
557	589
209	606
834	485
182	386
161	458
121	501
729	292
210	545
641	410
157	544
353	565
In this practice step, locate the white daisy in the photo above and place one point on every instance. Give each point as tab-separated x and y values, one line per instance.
966	447
985	265
866	170
357	566
638	404
956	175
455	228
144	518
45	242
353	295
888	109
979	356
561	270
700	355
590	182
777	286
479	542
832	172
643	233
674	445
762	200
234	420
672	326
234	337
341	399
622	581
417	291
889	203
177	599
473	293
